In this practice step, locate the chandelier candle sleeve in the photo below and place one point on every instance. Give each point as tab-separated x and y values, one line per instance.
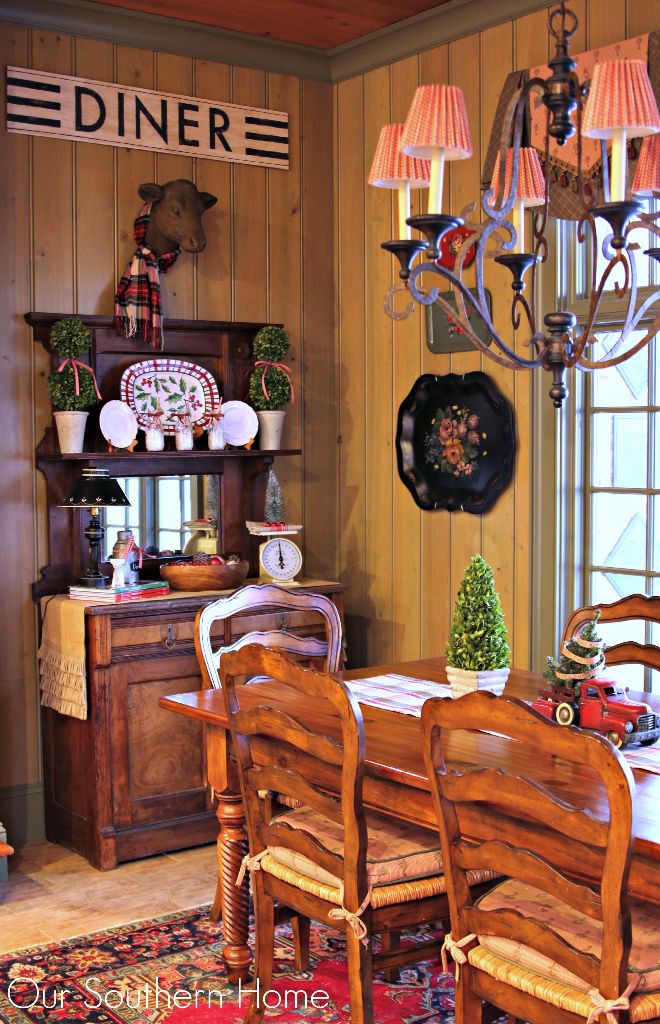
437	129
621	105
393	169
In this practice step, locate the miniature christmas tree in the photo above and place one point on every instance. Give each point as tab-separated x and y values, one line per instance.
581	658
274	506
478	636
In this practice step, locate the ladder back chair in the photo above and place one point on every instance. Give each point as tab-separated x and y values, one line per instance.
327	859
637	606
327	653
541	946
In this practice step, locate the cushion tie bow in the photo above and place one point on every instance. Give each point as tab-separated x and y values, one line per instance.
455	951
607	1006
352	918
250	864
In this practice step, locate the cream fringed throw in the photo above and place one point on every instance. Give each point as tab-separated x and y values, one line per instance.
62	656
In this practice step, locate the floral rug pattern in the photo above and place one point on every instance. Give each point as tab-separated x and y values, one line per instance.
169	971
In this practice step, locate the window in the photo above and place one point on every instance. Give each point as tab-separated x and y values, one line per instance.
614	457
159	508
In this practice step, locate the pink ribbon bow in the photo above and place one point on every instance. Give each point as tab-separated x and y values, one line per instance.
277	366
75	363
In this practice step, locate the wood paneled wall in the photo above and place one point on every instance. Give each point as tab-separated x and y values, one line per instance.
67	233
404	566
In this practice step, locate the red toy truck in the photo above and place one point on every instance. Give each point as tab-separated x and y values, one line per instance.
604	707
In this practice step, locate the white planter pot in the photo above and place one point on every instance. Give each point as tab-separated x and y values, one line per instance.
465	680
271	422
70	431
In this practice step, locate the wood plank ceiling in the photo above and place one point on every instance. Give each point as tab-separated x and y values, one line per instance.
321	24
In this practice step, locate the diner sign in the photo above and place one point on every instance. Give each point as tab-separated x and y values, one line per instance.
59	106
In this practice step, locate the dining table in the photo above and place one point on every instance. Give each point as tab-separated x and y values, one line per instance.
396	783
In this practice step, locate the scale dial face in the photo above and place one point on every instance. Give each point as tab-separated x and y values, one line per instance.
280	559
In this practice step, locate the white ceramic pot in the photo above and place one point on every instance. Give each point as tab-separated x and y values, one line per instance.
271	422
71	431
465	680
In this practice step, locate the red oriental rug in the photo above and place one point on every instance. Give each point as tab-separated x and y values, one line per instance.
169	971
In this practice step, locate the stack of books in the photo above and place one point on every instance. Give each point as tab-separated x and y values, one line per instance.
113	595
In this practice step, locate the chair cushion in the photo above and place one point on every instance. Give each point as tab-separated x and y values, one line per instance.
396	852
530	971
582	932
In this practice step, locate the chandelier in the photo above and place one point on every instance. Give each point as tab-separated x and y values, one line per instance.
617	104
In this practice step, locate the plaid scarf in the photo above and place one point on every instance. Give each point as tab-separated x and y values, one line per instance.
138	308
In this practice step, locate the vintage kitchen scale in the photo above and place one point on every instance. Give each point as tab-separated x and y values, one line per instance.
280	558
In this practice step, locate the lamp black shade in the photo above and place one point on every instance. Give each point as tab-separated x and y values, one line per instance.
95	489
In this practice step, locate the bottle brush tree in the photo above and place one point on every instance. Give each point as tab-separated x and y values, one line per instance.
72	386
270	387
581	658
274	504
478	636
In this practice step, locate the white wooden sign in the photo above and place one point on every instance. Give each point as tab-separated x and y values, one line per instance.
40	103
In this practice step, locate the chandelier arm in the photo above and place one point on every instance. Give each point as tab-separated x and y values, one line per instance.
587	333
520	300
602	364
509	358
388	302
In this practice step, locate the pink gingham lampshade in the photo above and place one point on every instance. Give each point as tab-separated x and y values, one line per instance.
391	167
647	175
620	96
531	183
437	119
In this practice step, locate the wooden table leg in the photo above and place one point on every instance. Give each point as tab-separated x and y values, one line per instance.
234	900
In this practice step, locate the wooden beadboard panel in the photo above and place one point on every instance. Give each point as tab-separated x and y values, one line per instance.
250	213
68	221
378	561
318	398
350	196
18	719
284	220
213	81
94	197
134	167
175	74
642	16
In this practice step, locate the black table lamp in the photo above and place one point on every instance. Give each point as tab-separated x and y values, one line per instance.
94	490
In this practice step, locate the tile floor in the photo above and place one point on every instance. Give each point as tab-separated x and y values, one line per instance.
54	894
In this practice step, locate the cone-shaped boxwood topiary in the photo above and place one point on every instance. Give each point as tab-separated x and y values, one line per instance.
70	338
478	636
270	346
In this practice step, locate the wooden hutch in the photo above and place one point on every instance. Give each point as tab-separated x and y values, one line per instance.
130	780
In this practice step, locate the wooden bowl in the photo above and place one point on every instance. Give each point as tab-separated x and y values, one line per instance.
205	577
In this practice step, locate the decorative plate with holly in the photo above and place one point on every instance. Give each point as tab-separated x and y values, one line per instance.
173	385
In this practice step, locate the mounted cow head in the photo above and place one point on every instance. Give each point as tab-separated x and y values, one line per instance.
176	215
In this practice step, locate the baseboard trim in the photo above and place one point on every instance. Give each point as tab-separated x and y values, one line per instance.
22	813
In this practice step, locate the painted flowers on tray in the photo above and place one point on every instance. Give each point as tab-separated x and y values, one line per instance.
454	443
174	393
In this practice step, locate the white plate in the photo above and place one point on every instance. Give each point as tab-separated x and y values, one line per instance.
239	422
118	424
